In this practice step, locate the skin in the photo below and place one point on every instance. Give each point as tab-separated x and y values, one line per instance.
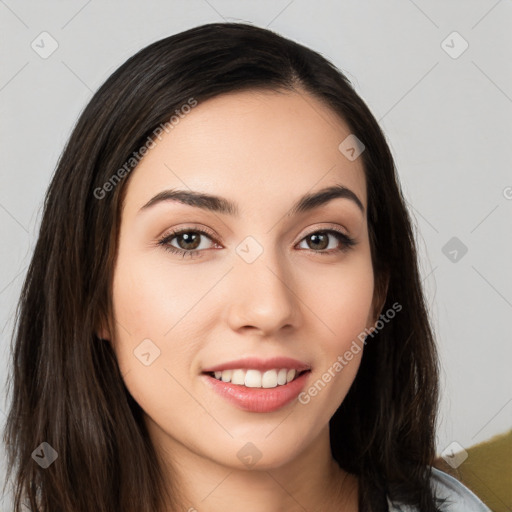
263	150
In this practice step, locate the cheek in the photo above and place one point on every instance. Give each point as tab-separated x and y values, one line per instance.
157	306
156	338
143	300
154	297
148	310
341	299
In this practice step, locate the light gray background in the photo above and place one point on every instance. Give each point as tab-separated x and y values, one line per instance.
448	121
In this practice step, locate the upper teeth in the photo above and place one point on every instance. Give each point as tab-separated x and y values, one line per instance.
257	379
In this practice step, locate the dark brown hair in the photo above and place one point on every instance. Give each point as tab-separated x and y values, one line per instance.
66	386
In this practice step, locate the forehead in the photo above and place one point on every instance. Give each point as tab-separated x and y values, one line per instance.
248	145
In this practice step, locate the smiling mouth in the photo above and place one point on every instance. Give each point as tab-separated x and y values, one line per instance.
250	378
255	391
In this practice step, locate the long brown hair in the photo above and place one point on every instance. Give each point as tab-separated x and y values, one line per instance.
65	385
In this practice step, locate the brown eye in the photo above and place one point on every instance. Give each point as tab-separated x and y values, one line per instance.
319	241
188	242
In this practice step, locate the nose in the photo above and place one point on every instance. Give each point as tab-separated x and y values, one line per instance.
262	296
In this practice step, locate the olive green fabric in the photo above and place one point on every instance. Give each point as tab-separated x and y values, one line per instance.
487	471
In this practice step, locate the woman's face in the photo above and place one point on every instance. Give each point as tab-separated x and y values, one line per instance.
267	280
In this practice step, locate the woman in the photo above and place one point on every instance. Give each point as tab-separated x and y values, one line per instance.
223	307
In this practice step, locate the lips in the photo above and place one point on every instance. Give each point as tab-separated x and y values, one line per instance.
258	385
262	365
259	400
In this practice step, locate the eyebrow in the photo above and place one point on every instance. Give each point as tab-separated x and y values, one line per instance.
222	205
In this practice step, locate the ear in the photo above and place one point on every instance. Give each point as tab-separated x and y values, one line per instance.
102	332
379	298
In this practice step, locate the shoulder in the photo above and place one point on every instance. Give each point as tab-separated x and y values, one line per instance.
450	494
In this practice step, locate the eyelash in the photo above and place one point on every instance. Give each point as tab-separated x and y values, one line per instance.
347	241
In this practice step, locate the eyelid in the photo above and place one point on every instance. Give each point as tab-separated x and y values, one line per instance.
176	231
327	227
